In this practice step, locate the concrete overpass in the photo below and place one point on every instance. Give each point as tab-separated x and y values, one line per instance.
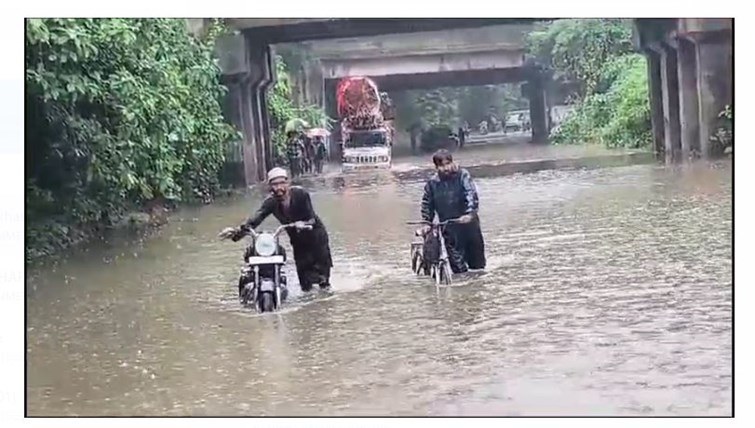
247	63
689	65
463	67
286	30
428	59
470	57
440	61
446	38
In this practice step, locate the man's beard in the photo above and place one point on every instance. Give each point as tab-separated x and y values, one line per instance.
279	194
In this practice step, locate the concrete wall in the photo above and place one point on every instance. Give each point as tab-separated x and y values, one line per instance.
231	52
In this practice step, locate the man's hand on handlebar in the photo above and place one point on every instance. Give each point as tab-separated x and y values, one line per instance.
302	225
228	233
467	218
232	233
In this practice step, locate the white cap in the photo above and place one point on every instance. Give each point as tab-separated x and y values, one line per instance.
276	173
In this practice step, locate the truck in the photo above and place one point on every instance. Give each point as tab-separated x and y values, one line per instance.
366	134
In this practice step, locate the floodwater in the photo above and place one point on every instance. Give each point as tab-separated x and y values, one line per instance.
608	292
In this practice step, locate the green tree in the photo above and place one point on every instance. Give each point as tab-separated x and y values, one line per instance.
119	112
612	106
619	117
578	49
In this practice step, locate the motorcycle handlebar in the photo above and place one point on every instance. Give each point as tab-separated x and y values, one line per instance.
434	224
283	227
253	233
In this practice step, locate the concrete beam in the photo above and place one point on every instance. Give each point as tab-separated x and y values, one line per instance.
416	51
690	27
404	82
249	23
500	36
416	64
286	31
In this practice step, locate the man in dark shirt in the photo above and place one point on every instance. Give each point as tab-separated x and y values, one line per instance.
292	204
321	154
451	194
414	132
294	153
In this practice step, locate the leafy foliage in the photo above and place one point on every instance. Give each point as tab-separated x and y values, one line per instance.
578	49
283	109
118	112
619	117
612	106
723	136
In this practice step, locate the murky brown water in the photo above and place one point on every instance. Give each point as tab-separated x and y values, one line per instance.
608	292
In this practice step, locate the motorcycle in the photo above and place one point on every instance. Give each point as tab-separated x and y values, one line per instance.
262	281
429	255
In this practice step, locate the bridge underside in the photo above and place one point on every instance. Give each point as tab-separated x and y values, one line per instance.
248	65
272	31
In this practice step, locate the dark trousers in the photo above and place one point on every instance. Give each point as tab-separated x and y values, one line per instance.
465	246
313	259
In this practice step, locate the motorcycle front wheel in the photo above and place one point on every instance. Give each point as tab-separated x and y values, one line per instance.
267	302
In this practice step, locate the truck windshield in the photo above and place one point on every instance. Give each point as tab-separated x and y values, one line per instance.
366	139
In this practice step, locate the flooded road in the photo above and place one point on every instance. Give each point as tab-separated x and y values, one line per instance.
608	292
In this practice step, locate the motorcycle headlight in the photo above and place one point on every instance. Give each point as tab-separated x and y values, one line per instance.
265	245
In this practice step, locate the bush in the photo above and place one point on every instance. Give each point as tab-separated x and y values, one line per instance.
723	137
629	124
119	112
578	49
618	118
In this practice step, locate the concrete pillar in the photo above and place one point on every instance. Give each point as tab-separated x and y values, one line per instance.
714	82
261	77
688	100
655	91
331	109
316	86
670	84
248	151
269	80
538	110
233	170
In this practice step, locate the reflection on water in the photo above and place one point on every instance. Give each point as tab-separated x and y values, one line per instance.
608	292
